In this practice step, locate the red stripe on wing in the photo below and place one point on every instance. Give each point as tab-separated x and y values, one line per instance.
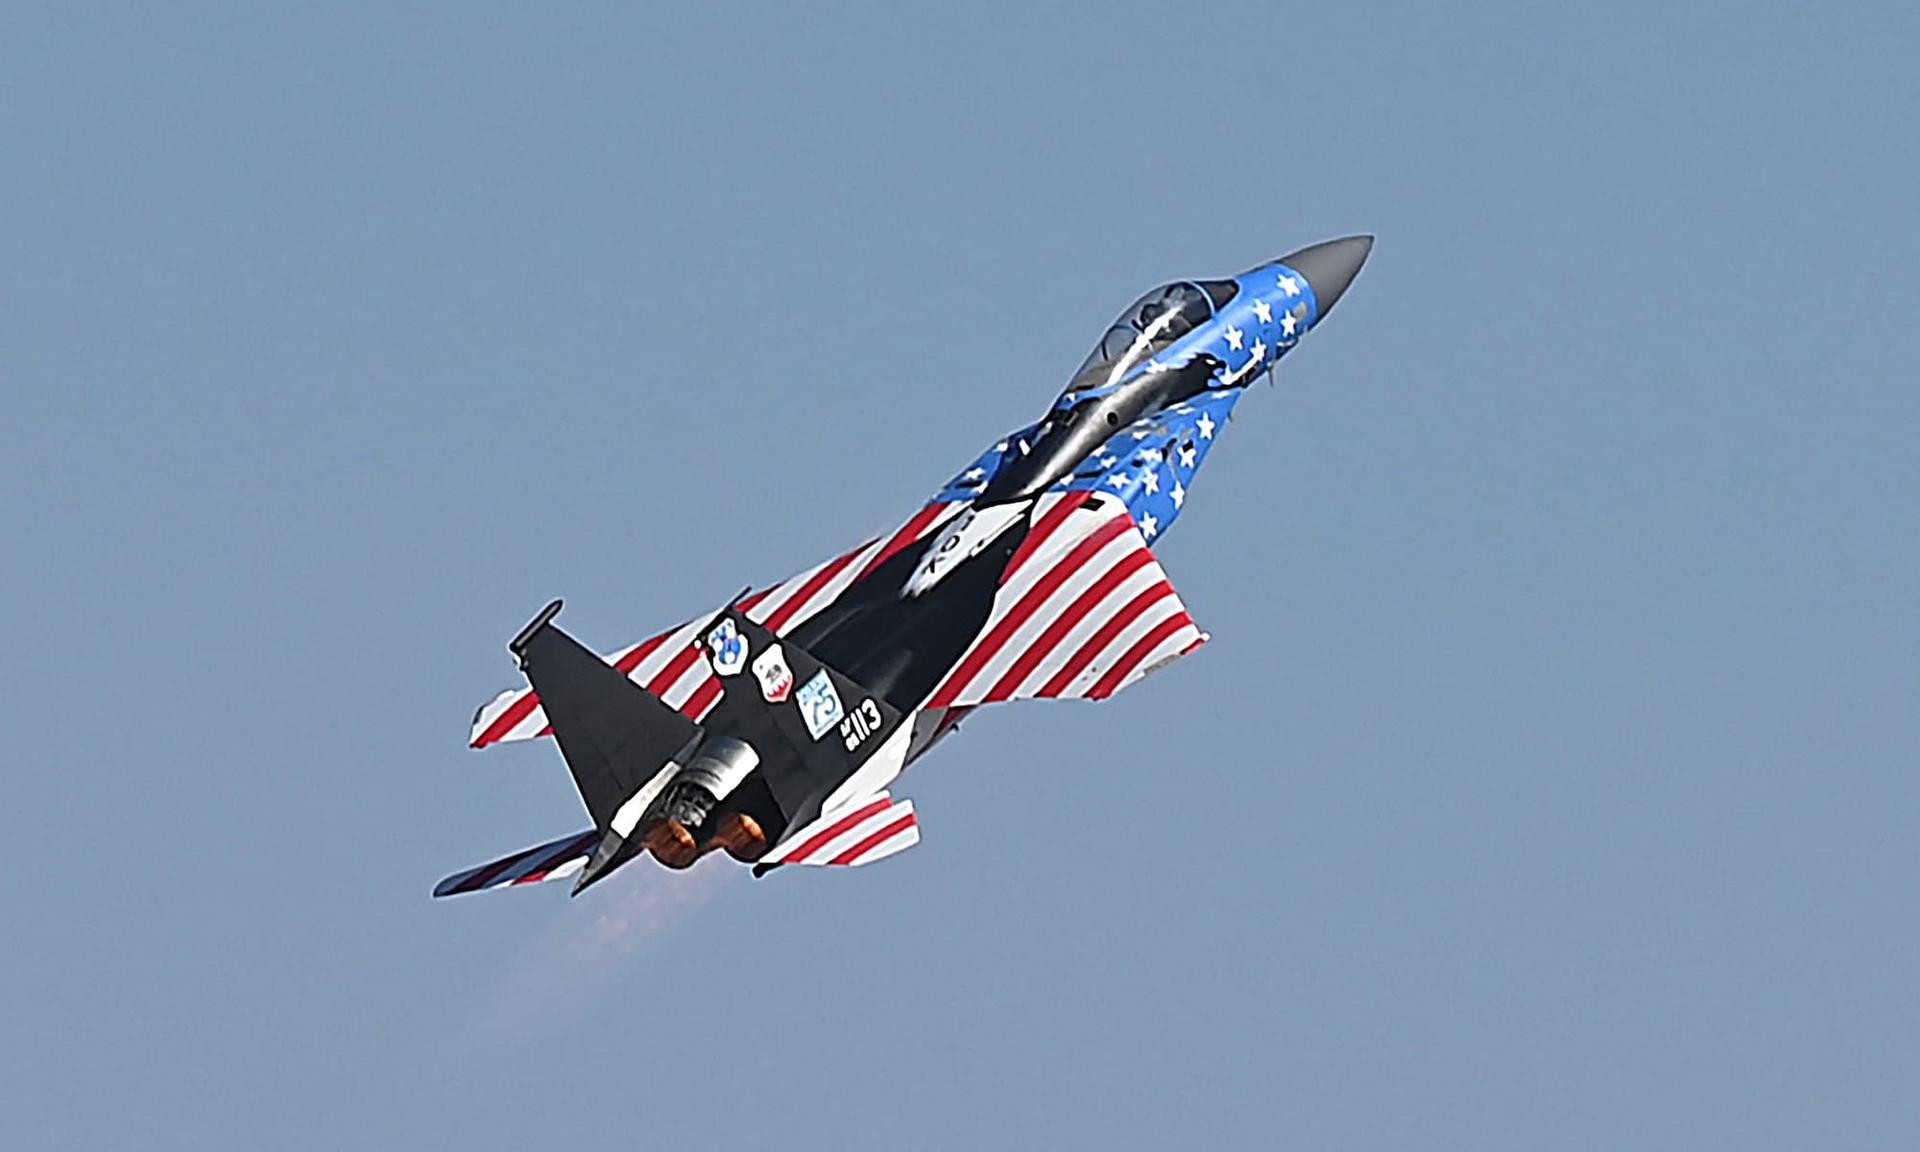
989	645
1044	527
506	722
868	843
912	530
675	669
810	589
1123	667
1057	631
1098	642
640	653
702	699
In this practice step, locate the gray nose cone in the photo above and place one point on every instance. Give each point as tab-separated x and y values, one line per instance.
1330	267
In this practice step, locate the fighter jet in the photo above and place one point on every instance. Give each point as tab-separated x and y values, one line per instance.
775	728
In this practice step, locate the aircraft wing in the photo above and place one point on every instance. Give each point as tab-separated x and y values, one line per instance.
1083	610
669	664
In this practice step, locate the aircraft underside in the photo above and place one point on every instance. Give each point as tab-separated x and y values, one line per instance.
773	729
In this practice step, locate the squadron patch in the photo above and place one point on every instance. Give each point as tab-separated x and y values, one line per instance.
776	679
820	705
728	649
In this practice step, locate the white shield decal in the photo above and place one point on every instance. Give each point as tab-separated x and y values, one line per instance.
728	648
776	679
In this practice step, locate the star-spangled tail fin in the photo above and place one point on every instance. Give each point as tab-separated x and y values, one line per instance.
1083	611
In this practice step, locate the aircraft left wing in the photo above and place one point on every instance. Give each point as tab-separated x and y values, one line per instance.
669	664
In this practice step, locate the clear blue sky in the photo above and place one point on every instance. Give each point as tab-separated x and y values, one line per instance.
1551	780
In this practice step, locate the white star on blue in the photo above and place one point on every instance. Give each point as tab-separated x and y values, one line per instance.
1150	463
977	475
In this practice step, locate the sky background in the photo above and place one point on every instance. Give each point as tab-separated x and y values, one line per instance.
1550	781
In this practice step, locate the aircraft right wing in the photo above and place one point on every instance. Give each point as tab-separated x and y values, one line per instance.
1083	610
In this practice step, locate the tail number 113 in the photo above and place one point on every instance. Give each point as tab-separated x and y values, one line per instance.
861	723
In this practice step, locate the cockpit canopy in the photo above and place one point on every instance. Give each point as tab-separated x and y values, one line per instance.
1110	389
1148	326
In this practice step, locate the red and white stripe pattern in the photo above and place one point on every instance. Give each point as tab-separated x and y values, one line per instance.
853	834
554	860
1083	610
669	665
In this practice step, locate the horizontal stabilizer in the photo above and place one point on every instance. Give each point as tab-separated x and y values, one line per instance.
554	860
852	834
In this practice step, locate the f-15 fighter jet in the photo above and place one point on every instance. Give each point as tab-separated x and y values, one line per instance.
774	729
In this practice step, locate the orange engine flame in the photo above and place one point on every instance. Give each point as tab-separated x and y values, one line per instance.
672	844
742	837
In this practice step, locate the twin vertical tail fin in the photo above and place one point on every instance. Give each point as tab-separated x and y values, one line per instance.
814	726
614	734
621	742
624	746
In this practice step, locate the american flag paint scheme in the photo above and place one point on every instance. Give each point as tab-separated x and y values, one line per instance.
1030	574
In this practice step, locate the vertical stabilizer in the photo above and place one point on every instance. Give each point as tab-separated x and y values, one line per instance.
614	734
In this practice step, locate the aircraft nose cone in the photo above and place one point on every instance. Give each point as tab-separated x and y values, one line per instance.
1330	267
